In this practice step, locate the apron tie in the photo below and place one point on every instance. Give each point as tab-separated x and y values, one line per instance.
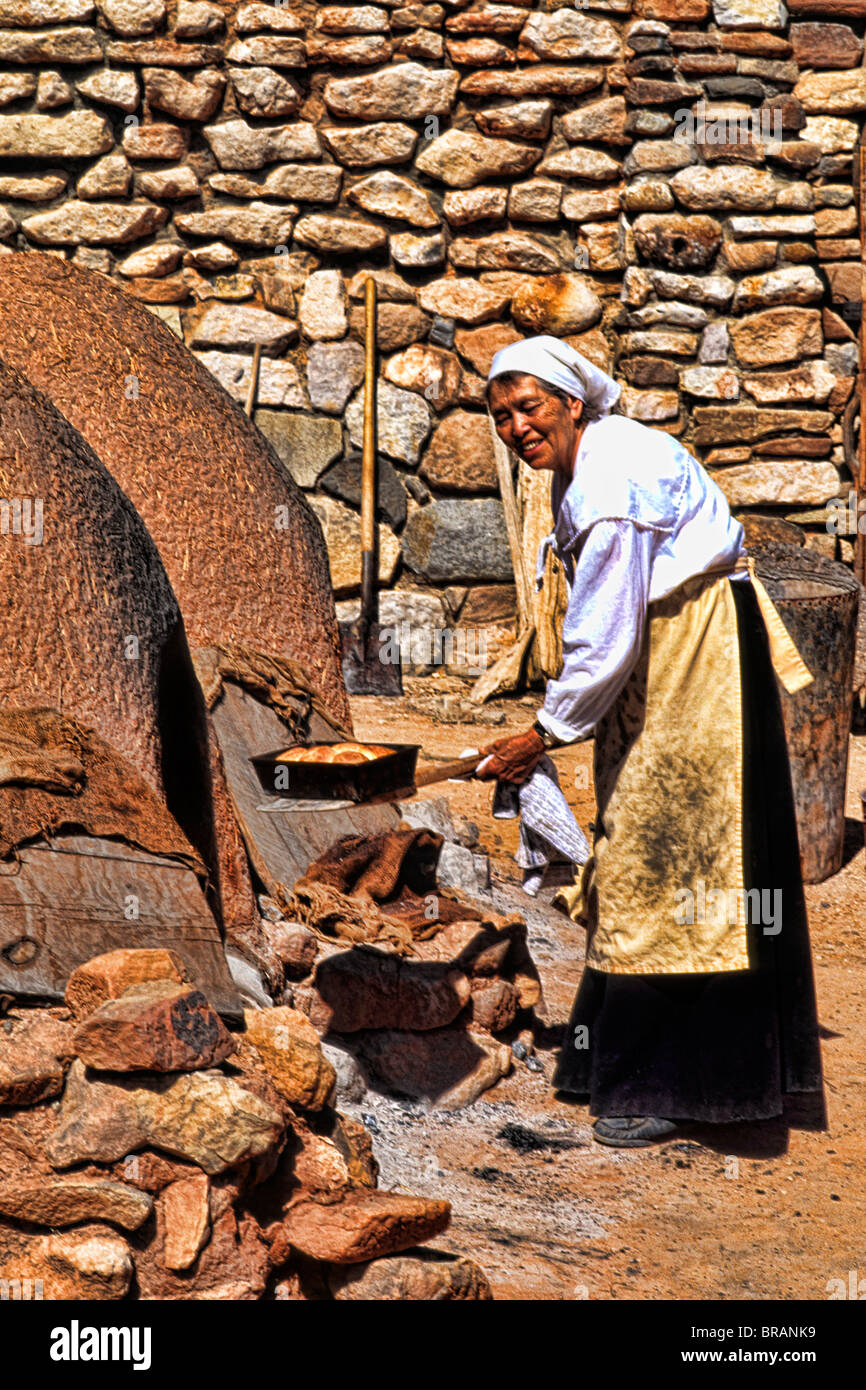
787	661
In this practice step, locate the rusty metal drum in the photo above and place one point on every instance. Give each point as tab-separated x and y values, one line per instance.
817	601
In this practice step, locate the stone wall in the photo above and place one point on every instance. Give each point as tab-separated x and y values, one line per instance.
668	184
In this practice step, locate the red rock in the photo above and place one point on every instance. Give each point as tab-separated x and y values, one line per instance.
846	281
432	371
776	336
719	64
480	345
557	304
681	11
151	1172
155	1026
480	948
107	977
428	1275
296	946
494	1005
751	256
363	1226
789	108
91	1263
397	325
649	371
365	988
459	456
202	1116
289	1048
541	81
232	1267
72	1201
448	1068
184	1214
836	330
763	529
160	141
489	603
796	446
35	1051
826	46
759	43
840	394
735	424
478	52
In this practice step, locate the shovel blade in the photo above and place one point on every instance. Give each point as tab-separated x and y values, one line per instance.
368	664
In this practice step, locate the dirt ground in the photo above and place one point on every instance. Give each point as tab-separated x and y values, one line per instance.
773	1210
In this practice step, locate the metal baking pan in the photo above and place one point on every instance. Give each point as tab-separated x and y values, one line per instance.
380	779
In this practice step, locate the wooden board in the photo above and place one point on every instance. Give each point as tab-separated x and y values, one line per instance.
551	600
63	902
280	843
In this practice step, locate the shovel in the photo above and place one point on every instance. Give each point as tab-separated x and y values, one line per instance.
366	667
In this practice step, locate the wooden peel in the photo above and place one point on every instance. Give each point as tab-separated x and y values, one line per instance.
549	603
537	650
428	773
505	674
441	772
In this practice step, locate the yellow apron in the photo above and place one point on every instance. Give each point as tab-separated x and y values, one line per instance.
663	892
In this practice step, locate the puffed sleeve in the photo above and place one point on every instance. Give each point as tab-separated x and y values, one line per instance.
603	627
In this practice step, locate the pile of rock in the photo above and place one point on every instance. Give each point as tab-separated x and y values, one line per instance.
424	1027
148	1152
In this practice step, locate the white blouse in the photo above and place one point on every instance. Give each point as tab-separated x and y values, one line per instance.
639	517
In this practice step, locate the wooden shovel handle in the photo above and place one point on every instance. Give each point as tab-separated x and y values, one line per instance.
254	379
368	458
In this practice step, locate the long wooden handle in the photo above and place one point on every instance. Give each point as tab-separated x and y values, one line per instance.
254	379
368	464
440	772
369	563
513	527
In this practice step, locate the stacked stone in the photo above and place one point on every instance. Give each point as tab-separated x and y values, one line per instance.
426	1027
500	168
242	168
151	1153
742	305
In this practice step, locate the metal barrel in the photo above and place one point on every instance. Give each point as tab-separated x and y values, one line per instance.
817	601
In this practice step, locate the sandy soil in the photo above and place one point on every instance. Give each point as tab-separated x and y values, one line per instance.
774	1210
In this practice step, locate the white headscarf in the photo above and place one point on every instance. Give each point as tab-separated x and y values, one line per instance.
554	362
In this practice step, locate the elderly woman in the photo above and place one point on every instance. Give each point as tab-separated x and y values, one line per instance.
697	1001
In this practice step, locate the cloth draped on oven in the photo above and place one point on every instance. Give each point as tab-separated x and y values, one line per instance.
682	1012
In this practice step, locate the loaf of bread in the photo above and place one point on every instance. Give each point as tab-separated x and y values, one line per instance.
334	753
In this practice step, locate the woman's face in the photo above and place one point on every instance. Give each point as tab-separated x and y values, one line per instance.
539	427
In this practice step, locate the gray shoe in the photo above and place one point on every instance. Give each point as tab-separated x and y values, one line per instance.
632	1131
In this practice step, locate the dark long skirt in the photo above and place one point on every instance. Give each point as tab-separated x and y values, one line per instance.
729	1046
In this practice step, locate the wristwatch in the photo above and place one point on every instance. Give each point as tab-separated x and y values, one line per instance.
548	739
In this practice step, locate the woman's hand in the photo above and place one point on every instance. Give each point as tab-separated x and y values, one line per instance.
511	759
